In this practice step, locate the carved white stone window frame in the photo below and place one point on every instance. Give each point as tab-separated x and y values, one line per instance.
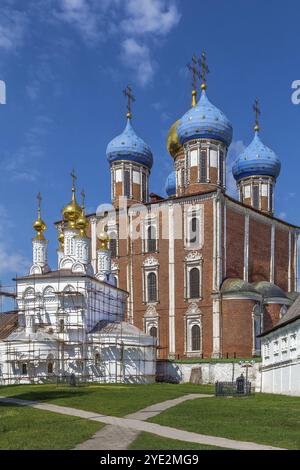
151	319
190	212
150	221
115	269
192	317
150	265
193	260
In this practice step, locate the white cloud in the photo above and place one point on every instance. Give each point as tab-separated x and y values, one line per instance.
235	149
150	16
12	28
81	14
137	57
127	20
282	215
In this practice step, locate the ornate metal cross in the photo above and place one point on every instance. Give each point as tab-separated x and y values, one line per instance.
130	99
82	198
39	199
194	70
74	178
204	69
256	109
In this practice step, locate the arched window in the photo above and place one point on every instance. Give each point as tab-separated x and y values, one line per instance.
61	326
203	167
195	338
24	369
50	367
221	163
126	183
152	287
153	331
271	197
144	188
151	239
194	283
193	229
255	196
97	359
113	246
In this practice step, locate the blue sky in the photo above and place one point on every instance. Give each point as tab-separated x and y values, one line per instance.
66	62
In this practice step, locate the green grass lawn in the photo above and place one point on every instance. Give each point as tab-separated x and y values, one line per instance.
263	418
147	441
24	428
116	400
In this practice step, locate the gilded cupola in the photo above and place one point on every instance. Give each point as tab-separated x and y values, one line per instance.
82	222
72	211
39	225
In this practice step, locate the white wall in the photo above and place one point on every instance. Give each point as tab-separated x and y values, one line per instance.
281	360
211	372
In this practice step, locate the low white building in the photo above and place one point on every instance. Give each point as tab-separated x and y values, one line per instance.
281	354
71	322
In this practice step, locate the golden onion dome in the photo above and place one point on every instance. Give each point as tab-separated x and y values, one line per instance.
173	144
61	239
104	240
72	211
39	225
82	224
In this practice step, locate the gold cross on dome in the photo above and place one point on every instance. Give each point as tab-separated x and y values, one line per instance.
194	70
130	99
204	69
82	198
74	178
39	199
256	109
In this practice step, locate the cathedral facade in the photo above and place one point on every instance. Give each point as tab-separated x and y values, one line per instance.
206	274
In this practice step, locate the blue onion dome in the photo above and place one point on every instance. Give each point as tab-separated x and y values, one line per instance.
128	146
204	121
170	186
256	160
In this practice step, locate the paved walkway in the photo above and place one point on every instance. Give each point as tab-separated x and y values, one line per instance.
141	426
113	437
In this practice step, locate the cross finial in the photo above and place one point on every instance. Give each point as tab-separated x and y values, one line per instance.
195	74
256	109
204	70
74	178
39	199
130	99
82	199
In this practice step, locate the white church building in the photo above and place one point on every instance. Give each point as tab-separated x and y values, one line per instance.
281	354
70	321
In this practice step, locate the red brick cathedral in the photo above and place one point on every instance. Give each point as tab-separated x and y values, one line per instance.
206	273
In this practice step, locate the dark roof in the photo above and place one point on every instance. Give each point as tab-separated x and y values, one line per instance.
8	323
291	315
236	285
267	289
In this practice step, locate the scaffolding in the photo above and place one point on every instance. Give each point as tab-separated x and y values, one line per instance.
75	334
